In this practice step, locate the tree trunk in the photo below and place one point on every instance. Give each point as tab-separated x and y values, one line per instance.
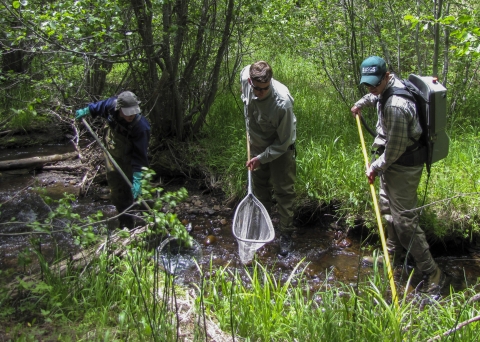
96	77
143	13
446	48
417	43
437	12
216	69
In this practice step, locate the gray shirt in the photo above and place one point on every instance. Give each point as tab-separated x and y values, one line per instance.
271	123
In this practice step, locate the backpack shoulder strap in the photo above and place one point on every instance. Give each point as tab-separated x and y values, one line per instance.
402	92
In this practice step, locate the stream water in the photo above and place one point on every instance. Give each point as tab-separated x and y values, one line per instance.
325	258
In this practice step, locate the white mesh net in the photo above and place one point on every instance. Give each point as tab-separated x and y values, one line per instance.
252	227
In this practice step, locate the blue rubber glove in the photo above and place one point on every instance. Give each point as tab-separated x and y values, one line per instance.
81	113
137	184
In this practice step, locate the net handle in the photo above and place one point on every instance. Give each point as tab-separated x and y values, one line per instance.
248	146
248	156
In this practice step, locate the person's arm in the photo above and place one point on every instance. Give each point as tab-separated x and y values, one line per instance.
245	86
368	100
246	95
140	141
102	108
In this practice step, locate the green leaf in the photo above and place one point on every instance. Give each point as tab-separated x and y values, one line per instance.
16	4
464	19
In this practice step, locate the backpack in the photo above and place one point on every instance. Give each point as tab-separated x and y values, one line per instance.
430	98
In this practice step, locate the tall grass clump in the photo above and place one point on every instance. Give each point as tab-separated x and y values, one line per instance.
224	146
251	304
452	198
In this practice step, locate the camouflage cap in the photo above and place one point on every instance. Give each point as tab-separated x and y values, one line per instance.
128	102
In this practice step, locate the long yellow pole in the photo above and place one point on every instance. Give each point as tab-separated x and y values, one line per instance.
379	218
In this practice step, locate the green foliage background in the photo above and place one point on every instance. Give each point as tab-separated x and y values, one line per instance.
75	53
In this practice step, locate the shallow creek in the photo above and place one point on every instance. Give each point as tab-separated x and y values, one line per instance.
326	258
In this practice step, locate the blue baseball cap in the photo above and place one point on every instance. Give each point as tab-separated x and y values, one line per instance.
372	70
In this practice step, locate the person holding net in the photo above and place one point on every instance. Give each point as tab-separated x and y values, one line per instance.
271	127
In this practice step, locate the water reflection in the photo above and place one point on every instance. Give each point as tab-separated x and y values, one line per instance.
21	200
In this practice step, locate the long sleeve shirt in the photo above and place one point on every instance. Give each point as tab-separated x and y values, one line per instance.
270	121
398	126
138	133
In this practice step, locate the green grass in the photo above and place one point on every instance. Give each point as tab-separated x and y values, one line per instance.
119	299
259	308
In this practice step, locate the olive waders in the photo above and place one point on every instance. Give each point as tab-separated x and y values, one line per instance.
120	148
279	175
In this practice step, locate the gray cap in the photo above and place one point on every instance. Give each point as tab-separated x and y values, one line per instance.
128	102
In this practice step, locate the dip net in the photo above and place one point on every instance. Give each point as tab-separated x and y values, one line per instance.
252	226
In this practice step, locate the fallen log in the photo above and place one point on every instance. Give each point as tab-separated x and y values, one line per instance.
35	162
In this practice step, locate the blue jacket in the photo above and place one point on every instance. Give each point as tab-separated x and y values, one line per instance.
137	132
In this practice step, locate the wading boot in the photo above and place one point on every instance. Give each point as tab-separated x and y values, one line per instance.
434	282
285	244
126	221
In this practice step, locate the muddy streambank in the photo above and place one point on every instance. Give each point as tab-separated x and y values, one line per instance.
330	253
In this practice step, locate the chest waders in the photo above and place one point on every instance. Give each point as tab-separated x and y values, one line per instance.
120	148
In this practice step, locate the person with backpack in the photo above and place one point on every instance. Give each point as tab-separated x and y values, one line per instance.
271	126
398	133
126	138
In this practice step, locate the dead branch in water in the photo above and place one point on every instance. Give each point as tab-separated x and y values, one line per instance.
65	168
35	162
